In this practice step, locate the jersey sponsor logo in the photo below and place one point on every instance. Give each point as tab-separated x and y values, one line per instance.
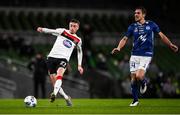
142	38
67	43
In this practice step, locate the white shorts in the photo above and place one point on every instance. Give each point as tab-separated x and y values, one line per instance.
139	62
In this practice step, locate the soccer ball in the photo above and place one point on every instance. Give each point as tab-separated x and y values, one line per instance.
30	101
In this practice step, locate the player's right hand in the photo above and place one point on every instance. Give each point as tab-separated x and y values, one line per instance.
80	69
115	50
39	29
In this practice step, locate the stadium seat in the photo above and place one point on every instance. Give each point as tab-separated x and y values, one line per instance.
31	17
22	17
59	20
4	21
50	19
13	20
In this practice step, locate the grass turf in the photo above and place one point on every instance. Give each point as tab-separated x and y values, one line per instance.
92	106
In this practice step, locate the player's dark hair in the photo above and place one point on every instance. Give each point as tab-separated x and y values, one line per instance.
144	11
75	21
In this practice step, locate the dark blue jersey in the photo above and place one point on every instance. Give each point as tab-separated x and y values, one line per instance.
143	43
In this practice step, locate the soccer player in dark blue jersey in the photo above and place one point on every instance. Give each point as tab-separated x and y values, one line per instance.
143	43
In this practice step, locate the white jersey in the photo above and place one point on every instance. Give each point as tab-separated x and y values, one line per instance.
64	44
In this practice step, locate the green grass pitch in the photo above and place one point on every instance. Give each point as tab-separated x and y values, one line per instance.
92	106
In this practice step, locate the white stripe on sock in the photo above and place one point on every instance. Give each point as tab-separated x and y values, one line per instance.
61	91
57	86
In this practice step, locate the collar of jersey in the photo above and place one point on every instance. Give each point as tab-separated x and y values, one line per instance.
146	22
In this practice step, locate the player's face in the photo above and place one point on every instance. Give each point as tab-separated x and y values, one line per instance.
138	15
73	27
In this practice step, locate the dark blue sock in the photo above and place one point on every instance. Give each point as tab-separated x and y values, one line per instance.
134	90
143	81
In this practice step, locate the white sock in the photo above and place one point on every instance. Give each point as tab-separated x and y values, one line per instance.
57	86
61	91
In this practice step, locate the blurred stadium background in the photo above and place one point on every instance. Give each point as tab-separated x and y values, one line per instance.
103	23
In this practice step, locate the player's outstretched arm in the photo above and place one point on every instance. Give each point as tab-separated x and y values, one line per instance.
80	56
120	46
165	39
49	31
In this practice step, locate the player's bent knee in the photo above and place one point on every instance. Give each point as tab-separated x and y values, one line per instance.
140	74
140	77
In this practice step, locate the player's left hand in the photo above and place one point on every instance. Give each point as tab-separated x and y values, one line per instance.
174	47
80	69
115	50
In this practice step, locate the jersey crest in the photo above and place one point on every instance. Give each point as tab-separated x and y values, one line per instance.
148	28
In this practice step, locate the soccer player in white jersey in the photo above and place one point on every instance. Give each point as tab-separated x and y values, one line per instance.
143	43
60	54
